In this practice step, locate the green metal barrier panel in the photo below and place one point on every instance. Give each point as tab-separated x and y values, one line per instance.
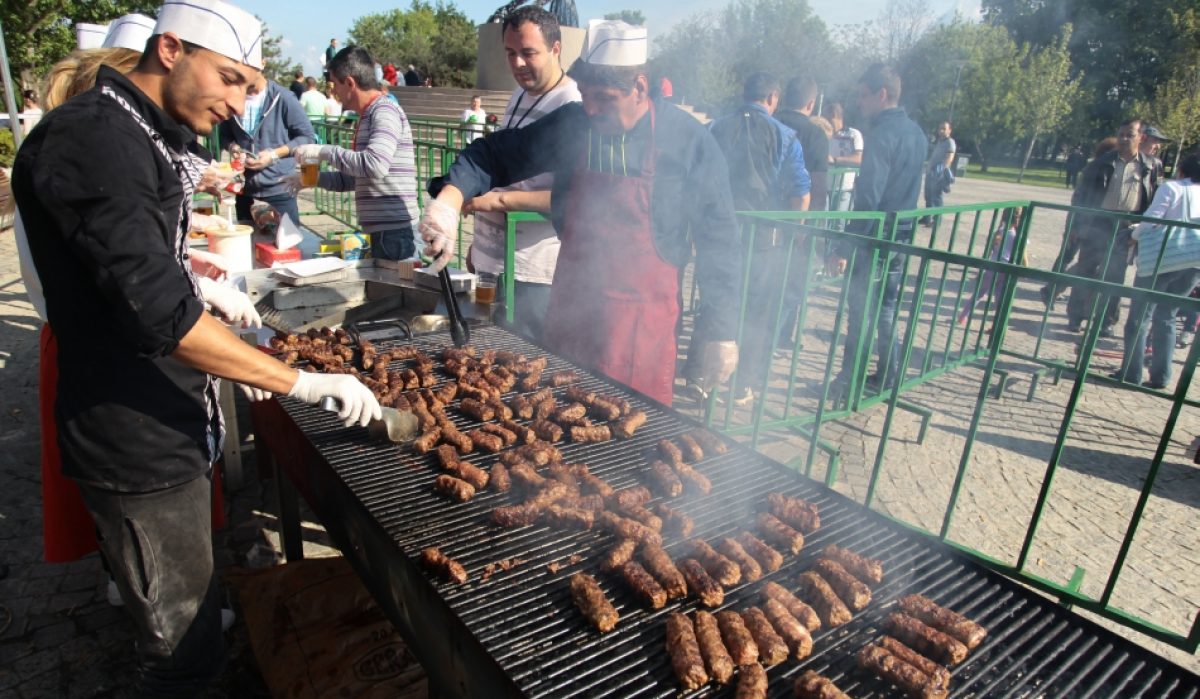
893	381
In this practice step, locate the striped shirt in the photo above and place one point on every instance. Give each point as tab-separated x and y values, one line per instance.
382	169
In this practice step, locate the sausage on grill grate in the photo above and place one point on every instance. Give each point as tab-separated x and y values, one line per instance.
674	521
664	480
438	562
752	682
767	557
643	584
659	564
593	603
772	649
737	638
453	488
718	566
947	621
712	648
866	569
685	652
817	592
915	683
801	611
939	674
925	639
708	591
799	513
853	591
810	685
798	639
732	550
618	555
778	533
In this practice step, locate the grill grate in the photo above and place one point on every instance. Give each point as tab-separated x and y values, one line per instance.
525	621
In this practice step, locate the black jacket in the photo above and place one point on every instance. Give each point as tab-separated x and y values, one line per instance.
101	209
1093	182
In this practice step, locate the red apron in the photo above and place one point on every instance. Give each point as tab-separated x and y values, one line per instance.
614	301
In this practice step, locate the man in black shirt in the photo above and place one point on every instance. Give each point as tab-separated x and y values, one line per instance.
799	99
297	86
104	186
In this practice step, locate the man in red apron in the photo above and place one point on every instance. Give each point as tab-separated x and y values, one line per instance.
637	183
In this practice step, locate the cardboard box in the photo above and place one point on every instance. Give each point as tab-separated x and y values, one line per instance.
268	255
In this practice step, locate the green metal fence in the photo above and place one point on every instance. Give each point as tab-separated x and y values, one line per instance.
956	362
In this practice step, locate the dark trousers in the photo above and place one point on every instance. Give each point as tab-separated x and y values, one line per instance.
886	283
396	244
283	203
529	313
1095	261
934	193
1066	255
159	549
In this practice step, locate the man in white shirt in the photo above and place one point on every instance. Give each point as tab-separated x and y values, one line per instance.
533	46
845	150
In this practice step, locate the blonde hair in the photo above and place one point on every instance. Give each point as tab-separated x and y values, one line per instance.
72	75
77	72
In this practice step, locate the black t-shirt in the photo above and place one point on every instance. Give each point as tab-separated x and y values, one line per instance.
297	88
812	139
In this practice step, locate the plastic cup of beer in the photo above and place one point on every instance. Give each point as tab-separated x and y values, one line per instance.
309	174
485	288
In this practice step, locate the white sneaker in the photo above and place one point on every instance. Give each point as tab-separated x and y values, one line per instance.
227	619
113	594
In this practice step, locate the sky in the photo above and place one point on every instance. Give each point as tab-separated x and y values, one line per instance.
307	25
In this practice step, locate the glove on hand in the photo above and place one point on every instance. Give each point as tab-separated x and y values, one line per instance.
358	404
439	228
231	304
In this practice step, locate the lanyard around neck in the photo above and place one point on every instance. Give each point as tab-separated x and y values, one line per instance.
533	106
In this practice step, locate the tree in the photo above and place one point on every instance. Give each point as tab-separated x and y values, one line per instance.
39	33
276	66
1175	108
634	17
1047	90
438	39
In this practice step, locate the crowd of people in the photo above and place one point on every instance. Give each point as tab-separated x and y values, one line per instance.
635	189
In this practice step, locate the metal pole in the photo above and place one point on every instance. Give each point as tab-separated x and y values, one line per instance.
954	94
13	119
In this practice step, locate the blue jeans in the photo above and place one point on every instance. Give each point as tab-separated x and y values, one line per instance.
393	244
934	196
887	347
283	203
1160	322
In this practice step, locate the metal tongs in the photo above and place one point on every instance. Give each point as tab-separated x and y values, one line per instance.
459	330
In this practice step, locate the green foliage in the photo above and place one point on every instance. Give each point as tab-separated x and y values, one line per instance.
39	33
783	36
276	66
634	17
1047	90
8	148
438	39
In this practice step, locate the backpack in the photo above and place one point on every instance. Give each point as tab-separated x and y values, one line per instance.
752	148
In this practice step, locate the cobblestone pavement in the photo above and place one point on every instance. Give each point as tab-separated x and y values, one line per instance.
60	638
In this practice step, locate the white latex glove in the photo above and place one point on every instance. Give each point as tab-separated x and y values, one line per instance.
208	264
292	182
232	305
308	153
358	404
253	394
720	360
262	160
439	228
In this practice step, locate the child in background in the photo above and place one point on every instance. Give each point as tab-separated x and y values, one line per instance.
1001	248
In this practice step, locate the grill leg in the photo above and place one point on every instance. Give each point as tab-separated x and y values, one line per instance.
290	536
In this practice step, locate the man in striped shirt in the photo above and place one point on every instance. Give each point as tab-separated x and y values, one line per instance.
381	168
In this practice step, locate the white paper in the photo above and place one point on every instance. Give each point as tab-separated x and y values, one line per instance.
317	265
287	235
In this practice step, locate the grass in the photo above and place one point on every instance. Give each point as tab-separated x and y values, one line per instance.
1034	175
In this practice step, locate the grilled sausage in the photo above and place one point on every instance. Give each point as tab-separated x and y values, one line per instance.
508	437
510	516
539	453
712	648
752	682
939	674
778	533
690	448
823	599
944	620
925	639
523	433
568	517
709	442
732	550
590	483
801	611
618	555
446	567
530	381
767	557
674	521
693	479
568	415
526	477
428	439
522	406
718	566
853	591
810	685
685	652
798	639
801	514
866	569
503	412
644	586
545	408
626	426
590	435
499	478
908	678
625	528
447	392
628	497
562	378
670	453
457	439
593	603
486	441
546	430
772	649
641	514
737	638
664	480
659	564
578	394
708	591
453	488
477	477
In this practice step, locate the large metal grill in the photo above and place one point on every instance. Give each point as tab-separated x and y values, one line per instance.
521	626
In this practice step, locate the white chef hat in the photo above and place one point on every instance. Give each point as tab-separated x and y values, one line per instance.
615	43
216	26
89	36
129	32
